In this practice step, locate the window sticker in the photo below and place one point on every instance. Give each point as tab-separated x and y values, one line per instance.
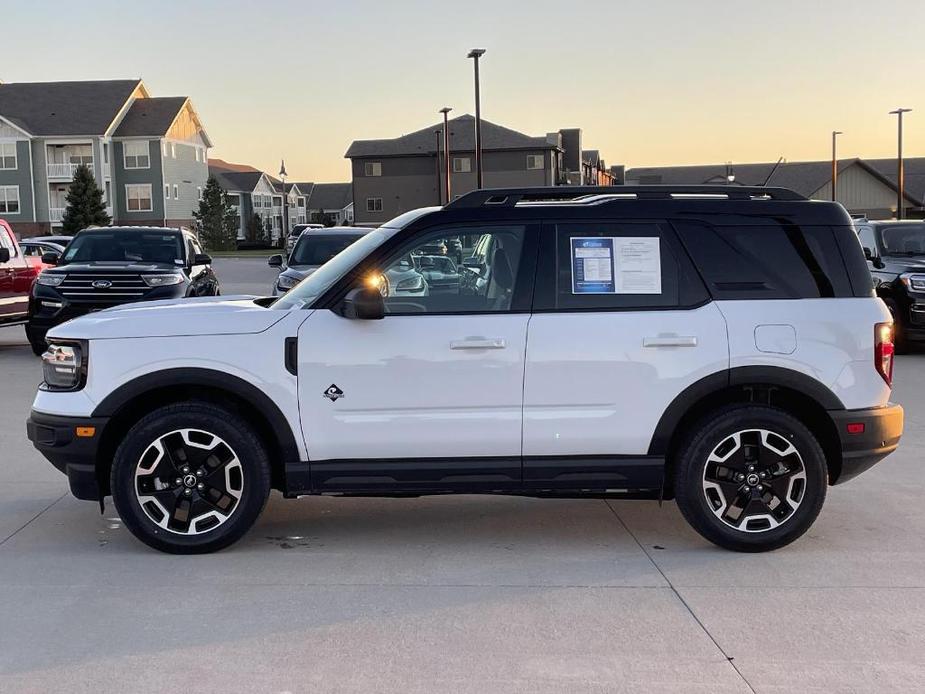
616	265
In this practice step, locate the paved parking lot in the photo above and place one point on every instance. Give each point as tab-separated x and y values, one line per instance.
457	594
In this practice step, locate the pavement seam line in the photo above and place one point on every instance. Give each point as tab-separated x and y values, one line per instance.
11	535
678	595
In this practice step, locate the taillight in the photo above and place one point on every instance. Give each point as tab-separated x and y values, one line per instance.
884	351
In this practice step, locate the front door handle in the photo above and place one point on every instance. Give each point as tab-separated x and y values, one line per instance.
670	341
478	343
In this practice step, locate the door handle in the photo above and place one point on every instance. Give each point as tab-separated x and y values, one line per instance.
670	341
478	343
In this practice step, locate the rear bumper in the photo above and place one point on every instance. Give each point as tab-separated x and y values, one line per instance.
876	439
55	437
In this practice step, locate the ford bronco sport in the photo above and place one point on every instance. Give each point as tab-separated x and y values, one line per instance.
721	346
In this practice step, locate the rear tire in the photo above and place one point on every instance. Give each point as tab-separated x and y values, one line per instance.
190	478
751	478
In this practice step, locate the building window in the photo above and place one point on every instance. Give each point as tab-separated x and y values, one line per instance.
138	198
301	202
462	165
105	152
373	168
136	154
9	199
176	192
173	150
8	155
374	204
166	191
535	161
199	192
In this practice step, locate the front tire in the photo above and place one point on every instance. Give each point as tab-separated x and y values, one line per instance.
751	478
190	478
36	341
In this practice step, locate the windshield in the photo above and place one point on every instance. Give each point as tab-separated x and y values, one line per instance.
318	248
125	246
316	284
903	239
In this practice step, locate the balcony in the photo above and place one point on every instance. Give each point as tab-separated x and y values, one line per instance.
65	171
55	214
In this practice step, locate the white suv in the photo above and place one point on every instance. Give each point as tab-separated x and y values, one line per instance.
717	345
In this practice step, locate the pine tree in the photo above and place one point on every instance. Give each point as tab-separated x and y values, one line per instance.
85	205
216	218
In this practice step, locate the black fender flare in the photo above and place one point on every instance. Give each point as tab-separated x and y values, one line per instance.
738	376
219	380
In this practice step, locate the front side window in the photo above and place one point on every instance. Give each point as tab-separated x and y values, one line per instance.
374	204
136	154
125	245
866	237
432	274
9	199
8	155
138	198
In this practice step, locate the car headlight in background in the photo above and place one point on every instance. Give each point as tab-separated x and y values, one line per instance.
285	282
913	281
412	284
50	280
162	280
63	366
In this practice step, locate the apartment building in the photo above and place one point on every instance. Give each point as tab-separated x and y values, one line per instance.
251	192
391	176
332	202
148	154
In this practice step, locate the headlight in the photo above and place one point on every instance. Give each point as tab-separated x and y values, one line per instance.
285	282
913	281
62	366
50	280
411	284
162	280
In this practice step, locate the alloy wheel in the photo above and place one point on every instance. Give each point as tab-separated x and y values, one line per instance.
754	480
189	481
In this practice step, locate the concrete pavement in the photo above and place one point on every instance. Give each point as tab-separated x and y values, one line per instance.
458	594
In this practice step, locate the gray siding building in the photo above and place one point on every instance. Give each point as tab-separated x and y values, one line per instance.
148	154
395	175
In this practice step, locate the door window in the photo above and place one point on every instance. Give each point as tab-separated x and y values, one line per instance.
459	270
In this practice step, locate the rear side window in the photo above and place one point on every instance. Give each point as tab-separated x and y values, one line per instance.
614	266
769	261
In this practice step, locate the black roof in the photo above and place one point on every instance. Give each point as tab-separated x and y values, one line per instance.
65	108
150	117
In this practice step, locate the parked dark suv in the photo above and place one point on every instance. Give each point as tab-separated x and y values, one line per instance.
109	266
895	252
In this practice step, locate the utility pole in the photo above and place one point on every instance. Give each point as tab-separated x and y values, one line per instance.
900	168
282	175
475	54
835	134
446	151
438	135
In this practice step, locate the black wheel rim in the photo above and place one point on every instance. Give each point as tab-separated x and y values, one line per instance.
754	480
189	481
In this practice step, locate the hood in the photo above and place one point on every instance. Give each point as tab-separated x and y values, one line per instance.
213	315
299	272
900	264
116	266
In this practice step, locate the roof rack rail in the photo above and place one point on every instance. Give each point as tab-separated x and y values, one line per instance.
587	195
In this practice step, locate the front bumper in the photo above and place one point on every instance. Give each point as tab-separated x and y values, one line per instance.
56	438
877	434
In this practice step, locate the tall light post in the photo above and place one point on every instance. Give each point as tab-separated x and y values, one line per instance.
446	152
835	134
900	169
282	175
438	135
475	54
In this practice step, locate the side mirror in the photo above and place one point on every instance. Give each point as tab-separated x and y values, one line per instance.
50	258
202	259
275	260
5	255
868	254
363	303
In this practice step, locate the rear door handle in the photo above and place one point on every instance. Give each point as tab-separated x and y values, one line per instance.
478	343
670	341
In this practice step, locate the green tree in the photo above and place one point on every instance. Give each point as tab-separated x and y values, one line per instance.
256	230
322	217
85	205
216	218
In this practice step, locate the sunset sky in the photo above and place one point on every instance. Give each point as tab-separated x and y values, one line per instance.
655	82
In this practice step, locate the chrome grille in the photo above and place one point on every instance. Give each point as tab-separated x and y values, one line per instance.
123	288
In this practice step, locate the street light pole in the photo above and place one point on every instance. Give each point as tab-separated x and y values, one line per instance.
446	152
282	175
835	134
475	54
437	136
900	169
